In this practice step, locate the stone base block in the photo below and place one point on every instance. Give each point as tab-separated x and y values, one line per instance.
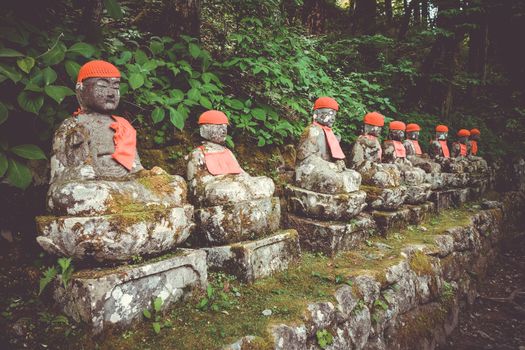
243	221
401	218
418	194
256	259
331	237
388	198
115	237
455	180
445	199
325	206
117	296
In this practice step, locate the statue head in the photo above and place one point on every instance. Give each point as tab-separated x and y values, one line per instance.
397	130
374	122
463	135
325	110
97	87
213	126
475	134
441	132
412	131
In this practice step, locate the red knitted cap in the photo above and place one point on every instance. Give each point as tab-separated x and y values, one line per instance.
397	125
475	132
442	128
213	117
326	102
463	133
97	69
374	118
413	127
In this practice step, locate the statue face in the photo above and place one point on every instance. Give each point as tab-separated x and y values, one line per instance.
463	140
372	130
100	95
214	132
325	116
413	135
397	135
474	137
441	136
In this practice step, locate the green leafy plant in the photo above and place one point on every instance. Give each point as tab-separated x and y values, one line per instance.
155	315
220	294
64	269
324	338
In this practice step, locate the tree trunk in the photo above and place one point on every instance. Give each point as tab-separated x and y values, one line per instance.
424	13
314	16
388	11
181	17
417	12
405	22
90	21
365	16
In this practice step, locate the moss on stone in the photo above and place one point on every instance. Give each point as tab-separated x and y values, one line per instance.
159	184
420	263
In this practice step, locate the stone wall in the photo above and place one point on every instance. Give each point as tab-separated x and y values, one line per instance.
413	303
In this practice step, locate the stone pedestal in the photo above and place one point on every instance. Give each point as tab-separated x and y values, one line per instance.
388	198
418	194
117	296
454	197
407	215
331	237
251	260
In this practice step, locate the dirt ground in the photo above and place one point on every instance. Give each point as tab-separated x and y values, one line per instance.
497	318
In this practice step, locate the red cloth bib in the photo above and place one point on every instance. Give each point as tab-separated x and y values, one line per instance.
221	163
463	149
444	149
401	152
415	143
125	140
372	137
335	148
473	147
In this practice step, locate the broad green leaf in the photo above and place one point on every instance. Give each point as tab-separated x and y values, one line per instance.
11	73
49	75
209	290
5	52
149	65
33	87
28	151
157	304
83	49
18	174
156	327
207	77
259	114
58	93
194	94
49	275
3	164
26	63
72	69
146	313
55	55
3	113
113	8
140	57
158	115
205	102
136	80
124	58
176	96
30	102
261	142
195	50
156	47
176	118
235	104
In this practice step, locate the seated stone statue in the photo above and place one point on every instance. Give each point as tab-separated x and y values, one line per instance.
105	204
383	181
453	170
418	190
326	189
419	159
233	205
479	163
461	147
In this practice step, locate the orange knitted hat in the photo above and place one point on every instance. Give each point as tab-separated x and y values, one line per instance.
475	132
413	127
374	118
463	133
442	128
97	69
213	117
397	125
326	102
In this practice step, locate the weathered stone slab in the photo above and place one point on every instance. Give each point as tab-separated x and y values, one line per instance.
421	212
417	194
255	259
117	296
226	224
325	206
115	237
388	198
331	237
399	219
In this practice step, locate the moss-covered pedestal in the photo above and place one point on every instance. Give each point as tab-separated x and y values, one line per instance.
406	215
117	296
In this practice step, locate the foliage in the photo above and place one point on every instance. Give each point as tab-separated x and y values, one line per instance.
64	269
220	294
155	315
324	338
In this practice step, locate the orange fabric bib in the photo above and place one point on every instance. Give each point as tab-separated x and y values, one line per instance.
474	147
221	163
444	149
372	137
400	149
415	143
463	149
125	140
335	148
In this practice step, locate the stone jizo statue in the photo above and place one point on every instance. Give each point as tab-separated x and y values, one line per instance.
461	147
